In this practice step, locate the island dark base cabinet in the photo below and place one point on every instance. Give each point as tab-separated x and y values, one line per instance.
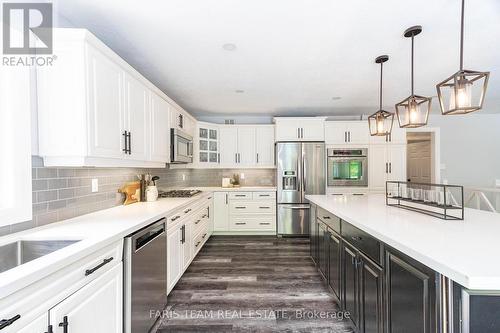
475	311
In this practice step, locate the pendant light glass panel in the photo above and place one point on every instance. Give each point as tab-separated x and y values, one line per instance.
463	92
413	112
380	123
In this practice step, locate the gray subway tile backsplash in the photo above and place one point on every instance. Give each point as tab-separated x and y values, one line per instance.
64	193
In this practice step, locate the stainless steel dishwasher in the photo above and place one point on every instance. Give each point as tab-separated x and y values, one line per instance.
145	277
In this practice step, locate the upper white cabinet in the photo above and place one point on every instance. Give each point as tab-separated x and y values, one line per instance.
264	145
94	109
181	120
206	145
160	129
397	136
15	145
299	129
347	132
246	146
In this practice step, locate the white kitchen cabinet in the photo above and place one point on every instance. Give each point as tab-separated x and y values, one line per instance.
15	145
264	145
228	145
386	162
397	136
38	324
299	129
160	129
181	120
221	211
186	244
94	109
246	146
175	256
206	145
347	132
97	307
106	112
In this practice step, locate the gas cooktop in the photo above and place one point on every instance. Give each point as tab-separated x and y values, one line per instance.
178	193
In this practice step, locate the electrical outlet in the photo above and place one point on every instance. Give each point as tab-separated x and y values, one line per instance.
95	185
242	175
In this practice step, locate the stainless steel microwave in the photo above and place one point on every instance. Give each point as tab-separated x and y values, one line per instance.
347	167
181	147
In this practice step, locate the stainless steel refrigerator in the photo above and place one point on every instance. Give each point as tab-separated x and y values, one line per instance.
300	171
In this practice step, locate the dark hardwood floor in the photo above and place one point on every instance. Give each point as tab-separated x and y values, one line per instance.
252	284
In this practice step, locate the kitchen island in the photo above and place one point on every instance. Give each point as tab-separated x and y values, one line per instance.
399	271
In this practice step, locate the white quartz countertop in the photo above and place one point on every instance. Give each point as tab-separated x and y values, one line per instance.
95	230
231	189
464	251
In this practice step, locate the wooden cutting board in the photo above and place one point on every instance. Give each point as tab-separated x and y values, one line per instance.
132	192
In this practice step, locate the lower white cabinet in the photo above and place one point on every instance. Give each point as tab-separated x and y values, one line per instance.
248	212
187	232
39	324
95	308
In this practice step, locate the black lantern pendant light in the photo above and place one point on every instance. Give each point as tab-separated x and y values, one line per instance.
413	111
380	123
464	91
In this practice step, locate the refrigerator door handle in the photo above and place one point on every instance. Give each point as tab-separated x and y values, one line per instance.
296	207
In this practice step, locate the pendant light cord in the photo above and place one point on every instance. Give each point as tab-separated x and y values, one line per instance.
381	70
412	38
462	36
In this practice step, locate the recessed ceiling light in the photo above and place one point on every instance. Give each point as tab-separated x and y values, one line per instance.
229	47
239	91
336	98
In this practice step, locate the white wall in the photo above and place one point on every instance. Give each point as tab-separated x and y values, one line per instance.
470	148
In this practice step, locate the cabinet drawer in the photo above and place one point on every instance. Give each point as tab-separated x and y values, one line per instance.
332	221
265	223
264	195
240	195
199	218
252	207
367	244
200	238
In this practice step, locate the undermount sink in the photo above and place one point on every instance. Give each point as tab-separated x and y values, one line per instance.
23	251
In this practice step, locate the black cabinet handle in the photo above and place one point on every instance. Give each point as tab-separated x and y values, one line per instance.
357	238
240	223
49	329
264	207
64	324
125	136
175	218
204	235
92	270
187	211
197	221
239	207
7	322
197	244
183	234
129	143
326	217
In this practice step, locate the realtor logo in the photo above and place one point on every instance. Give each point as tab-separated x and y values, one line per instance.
34	21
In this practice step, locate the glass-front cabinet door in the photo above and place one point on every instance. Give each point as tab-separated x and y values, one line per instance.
208	144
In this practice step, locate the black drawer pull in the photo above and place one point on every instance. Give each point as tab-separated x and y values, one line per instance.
264	195
264	223
205	235
240	207
175	218
198	221
264	207
197	244
92	270
357	238
49	329
240	223
240	195
187	211
64	324
204	215
7	322
326	217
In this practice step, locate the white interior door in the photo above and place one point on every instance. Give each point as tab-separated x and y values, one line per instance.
228	145
378	167
264	145
160	129
419	162
105	91
96	308
137	117
246	146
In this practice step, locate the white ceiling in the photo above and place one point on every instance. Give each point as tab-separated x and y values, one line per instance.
293	56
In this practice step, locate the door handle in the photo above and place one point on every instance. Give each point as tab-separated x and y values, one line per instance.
390	167
386	167
345	136
301	132
298	132
226	198
257	158
349	136
125	136
64	324
129	143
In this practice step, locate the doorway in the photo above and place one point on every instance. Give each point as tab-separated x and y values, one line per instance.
420	162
